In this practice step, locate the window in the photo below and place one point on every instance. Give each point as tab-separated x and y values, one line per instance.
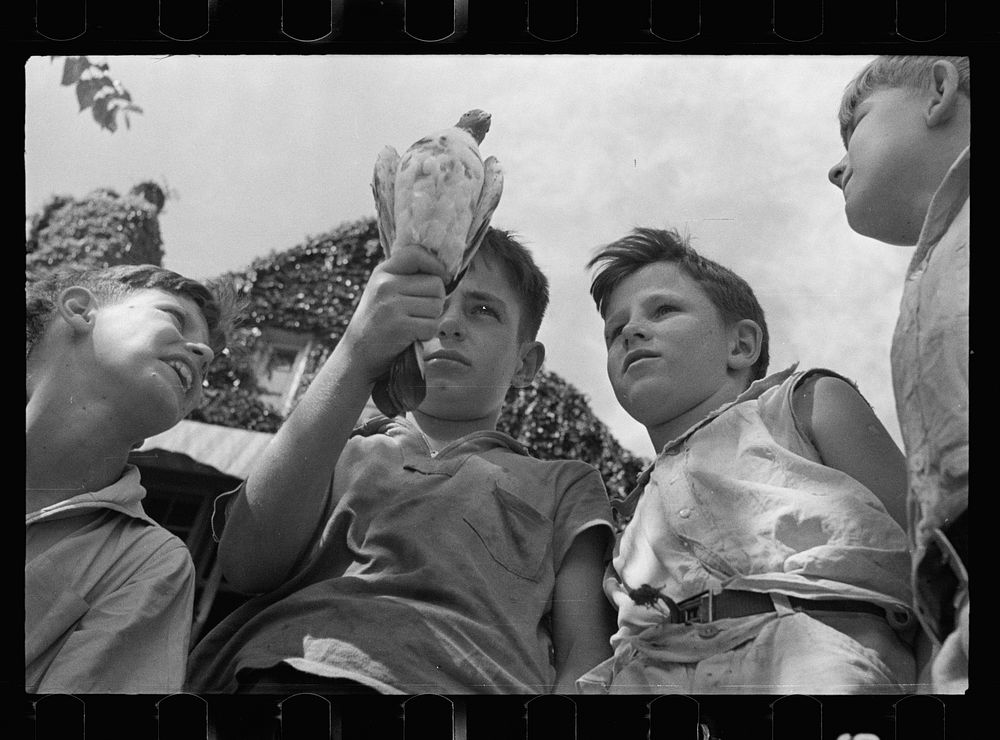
281	360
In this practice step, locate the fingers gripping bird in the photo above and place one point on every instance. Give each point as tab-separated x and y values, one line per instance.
438	197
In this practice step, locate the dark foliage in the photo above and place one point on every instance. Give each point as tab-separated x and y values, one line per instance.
554	419
100	229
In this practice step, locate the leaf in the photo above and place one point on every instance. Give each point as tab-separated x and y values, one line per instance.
105	81
103	115
120	104
86	91
73	68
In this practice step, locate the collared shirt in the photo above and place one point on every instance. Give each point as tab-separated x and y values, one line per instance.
742	500
426	574
108	596
930	361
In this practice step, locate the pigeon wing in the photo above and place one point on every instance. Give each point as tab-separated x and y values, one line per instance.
489	199
384	190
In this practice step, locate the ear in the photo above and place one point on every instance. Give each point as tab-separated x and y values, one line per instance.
532	355
944	94
745	340
78	307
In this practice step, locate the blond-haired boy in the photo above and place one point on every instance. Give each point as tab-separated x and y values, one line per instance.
905	121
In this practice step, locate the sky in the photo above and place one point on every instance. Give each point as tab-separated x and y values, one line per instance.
260	152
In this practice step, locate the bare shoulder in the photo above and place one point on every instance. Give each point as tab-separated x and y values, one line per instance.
849	437
827	386
828	403
839	421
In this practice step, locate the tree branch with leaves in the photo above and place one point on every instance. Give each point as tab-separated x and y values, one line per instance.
97	90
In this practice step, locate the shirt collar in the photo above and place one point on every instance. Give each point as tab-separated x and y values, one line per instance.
486	438
449	458
947	202
754	390
623	508
124	495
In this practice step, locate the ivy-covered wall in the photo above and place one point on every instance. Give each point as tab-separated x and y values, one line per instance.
314	288
101	229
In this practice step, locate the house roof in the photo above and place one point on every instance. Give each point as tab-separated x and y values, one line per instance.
228	450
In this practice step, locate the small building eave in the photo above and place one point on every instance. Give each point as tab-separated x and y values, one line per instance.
228	450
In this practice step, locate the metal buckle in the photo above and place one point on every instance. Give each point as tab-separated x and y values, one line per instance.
699	609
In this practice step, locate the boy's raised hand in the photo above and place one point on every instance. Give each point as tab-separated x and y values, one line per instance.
269	525
401	304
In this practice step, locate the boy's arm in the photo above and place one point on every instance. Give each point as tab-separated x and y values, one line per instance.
850	438
276	513
582	619
135	639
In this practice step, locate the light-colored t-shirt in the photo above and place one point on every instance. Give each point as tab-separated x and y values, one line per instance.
108	596
428	573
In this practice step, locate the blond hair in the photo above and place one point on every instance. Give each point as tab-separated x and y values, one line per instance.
911	72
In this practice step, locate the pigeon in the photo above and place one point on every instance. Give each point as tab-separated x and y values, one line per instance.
439	196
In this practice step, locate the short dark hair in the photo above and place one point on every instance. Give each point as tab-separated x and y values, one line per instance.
728	292
529	283
217	299
913	72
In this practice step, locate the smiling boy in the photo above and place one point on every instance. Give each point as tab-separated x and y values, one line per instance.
906	124
429	553
763	551
114	356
